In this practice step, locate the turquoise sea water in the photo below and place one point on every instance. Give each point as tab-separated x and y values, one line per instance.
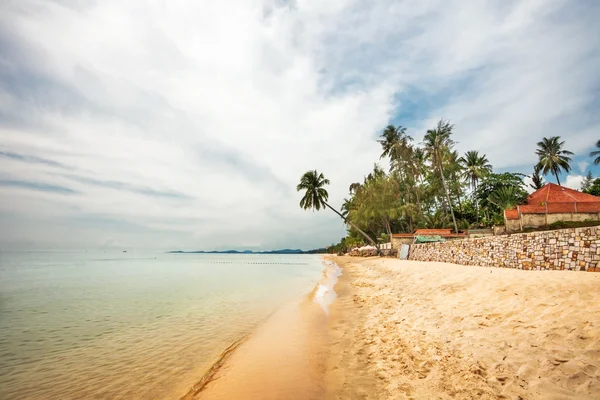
77	325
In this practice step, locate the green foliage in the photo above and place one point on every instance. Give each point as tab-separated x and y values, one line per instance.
594	189
431	186
505	197
596	153
437	143
587	182
492	182
537	181
315	195
552	157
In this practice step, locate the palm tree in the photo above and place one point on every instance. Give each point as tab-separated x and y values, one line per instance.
552	156
505	197
596	153
346	207
436	142
475	167
316	197
394	140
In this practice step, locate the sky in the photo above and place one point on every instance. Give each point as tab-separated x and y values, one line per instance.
187	124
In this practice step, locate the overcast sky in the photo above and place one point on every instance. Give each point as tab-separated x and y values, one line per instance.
187	124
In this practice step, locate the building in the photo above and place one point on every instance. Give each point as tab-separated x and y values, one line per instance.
399	239
550	204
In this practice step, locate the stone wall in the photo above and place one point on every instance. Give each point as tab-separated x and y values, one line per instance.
571	249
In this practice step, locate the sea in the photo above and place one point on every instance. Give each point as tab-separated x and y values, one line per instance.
136	325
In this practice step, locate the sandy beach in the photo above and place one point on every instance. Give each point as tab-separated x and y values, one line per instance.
415	330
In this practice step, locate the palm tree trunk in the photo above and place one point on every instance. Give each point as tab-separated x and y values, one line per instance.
476	202
557	180
448	197
354	226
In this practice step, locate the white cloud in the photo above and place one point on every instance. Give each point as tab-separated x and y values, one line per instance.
574	181
583	166
527	182
228	103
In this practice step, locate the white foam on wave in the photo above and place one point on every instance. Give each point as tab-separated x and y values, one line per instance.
325	294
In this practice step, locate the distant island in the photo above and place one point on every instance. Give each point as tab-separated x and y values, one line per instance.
283	251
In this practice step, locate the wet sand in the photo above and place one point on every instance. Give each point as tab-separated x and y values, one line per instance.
285	358
414	330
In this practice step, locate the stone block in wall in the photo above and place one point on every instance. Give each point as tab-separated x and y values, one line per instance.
563	249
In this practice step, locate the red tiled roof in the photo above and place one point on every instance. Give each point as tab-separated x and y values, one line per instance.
430	232
512	214
553	199
552	193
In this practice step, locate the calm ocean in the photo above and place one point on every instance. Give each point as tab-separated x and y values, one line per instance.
77	325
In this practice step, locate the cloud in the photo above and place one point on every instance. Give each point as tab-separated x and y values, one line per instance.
574	181
38	186
192	122
32	159
583	166
146	191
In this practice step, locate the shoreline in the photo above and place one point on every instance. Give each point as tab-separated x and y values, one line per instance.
302	322
410	330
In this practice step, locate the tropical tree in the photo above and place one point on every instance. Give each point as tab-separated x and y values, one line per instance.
316	196
377	204
587	182
594	189
596	153
435	220
505	197
474	167
552	157
394	141
492	183
436	142
537	181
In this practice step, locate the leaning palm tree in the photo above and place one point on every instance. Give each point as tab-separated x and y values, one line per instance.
475	167
552	156
436	143
596	153
316	197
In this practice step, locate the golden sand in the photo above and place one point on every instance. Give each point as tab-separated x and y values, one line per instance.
415	330
283	359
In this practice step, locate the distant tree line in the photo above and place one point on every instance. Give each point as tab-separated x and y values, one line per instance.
431	185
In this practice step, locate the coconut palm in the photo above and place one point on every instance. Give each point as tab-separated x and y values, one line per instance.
596	153
552	156
474	167
394	140
436	142
316	197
